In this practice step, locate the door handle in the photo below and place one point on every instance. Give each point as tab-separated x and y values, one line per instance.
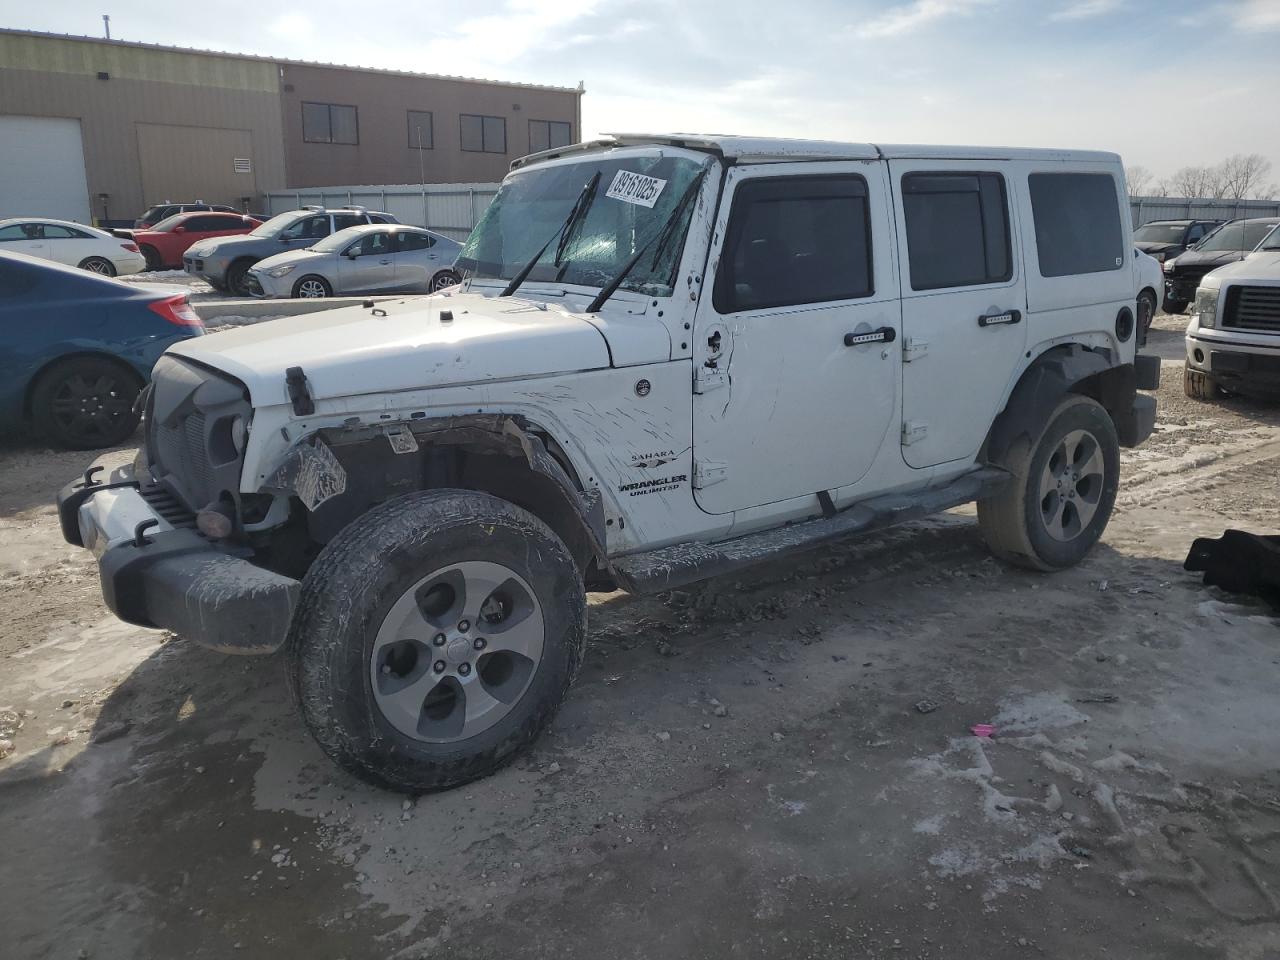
998	319
883	335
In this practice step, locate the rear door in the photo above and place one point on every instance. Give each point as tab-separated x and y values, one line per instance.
416	261
367	265
963	301
796	359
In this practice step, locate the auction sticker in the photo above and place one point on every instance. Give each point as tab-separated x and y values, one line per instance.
635	188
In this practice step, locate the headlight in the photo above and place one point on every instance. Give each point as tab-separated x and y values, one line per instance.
281	271
239	434
201	252
1206	305
1168	266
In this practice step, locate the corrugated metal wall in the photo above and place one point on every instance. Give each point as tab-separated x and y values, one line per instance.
1146	209
451	209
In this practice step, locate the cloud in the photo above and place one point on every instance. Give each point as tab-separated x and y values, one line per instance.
918	13
1256	15
1085	9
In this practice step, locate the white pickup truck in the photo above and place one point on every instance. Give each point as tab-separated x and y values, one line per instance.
1233	339
672	356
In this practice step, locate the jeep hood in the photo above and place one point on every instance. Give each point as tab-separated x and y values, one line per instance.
403	345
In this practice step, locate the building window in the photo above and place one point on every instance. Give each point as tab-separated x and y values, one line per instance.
484	134
957	229
420	135
329	123
1077	217
548	134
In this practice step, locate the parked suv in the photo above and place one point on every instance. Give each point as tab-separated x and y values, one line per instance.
225	263
163	211
1233	339
1165	239
674	357
1230	242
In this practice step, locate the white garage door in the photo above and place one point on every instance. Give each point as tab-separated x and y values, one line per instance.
42	169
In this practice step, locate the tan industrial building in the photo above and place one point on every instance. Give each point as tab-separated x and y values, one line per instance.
104	128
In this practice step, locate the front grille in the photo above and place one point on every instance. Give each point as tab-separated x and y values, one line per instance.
1252	308
182	447
166	505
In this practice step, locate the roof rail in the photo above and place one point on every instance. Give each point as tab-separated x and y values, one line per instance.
312	206
356	207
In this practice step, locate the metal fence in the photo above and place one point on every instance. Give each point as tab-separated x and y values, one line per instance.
451	209
1146	209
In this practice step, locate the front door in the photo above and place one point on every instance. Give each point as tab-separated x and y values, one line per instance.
963	303
367	266
795	347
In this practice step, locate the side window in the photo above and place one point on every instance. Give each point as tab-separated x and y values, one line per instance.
795	240
546	134
415	241
207	224
957	229
307	228
1077	220
343	220
372	245
1195	233
53	231
380	218
18	231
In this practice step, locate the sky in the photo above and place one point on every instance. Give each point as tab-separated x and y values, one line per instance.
1169	84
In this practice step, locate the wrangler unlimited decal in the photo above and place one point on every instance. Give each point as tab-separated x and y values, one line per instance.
662	485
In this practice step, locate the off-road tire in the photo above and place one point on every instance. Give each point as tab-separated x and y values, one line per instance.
1011	522
1176	306
236	274
353	584
1198	385
56	394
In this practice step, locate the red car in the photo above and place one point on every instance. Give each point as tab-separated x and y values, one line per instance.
164	244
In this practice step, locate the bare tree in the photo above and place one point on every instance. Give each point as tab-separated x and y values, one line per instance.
1137	178
1194	182
1244	177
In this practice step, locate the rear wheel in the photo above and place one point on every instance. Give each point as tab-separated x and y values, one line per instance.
1198	385
445	278
85	403
311	287
99	265
1146	313
1063	489
435	637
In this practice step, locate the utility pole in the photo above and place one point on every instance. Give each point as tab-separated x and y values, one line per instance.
106	24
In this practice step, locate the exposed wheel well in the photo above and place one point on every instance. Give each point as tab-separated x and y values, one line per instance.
58	361
497	455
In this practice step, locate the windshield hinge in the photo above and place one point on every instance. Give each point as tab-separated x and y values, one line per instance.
913	348
295	382
707	473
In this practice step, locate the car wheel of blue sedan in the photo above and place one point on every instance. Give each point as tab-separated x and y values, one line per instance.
85	403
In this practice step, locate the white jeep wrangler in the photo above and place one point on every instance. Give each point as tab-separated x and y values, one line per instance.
673	356
1233	338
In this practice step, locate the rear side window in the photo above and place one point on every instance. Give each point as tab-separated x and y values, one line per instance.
54	231
1077	220
796	240
416	241
343	220
211	223
957	229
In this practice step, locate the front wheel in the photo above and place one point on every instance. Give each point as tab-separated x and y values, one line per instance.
1063	490
1176	306
98	265
312	287
238	278
152	256
1146	313
435	638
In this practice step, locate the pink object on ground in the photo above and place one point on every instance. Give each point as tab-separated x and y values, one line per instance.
983	730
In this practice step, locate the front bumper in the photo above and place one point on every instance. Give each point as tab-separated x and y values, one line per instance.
1182	289
1234	363
158	573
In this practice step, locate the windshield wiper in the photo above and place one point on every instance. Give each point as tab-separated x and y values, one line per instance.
661	238
579	210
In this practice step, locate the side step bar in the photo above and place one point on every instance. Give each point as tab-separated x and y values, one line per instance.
684	563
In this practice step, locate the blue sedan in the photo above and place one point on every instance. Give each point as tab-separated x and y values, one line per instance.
77	348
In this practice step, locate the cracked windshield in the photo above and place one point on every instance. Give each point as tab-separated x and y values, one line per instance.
629	205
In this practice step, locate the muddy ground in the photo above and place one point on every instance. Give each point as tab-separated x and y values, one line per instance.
163	801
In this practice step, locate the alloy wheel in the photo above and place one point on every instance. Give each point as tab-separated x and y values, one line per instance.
90	408
1071	485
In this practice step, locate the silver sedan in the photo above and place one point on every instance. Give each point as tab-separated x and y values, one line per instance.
370	258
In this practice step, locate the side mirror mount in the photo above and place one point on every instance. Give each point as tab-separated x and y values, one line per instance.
352	254
179	229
